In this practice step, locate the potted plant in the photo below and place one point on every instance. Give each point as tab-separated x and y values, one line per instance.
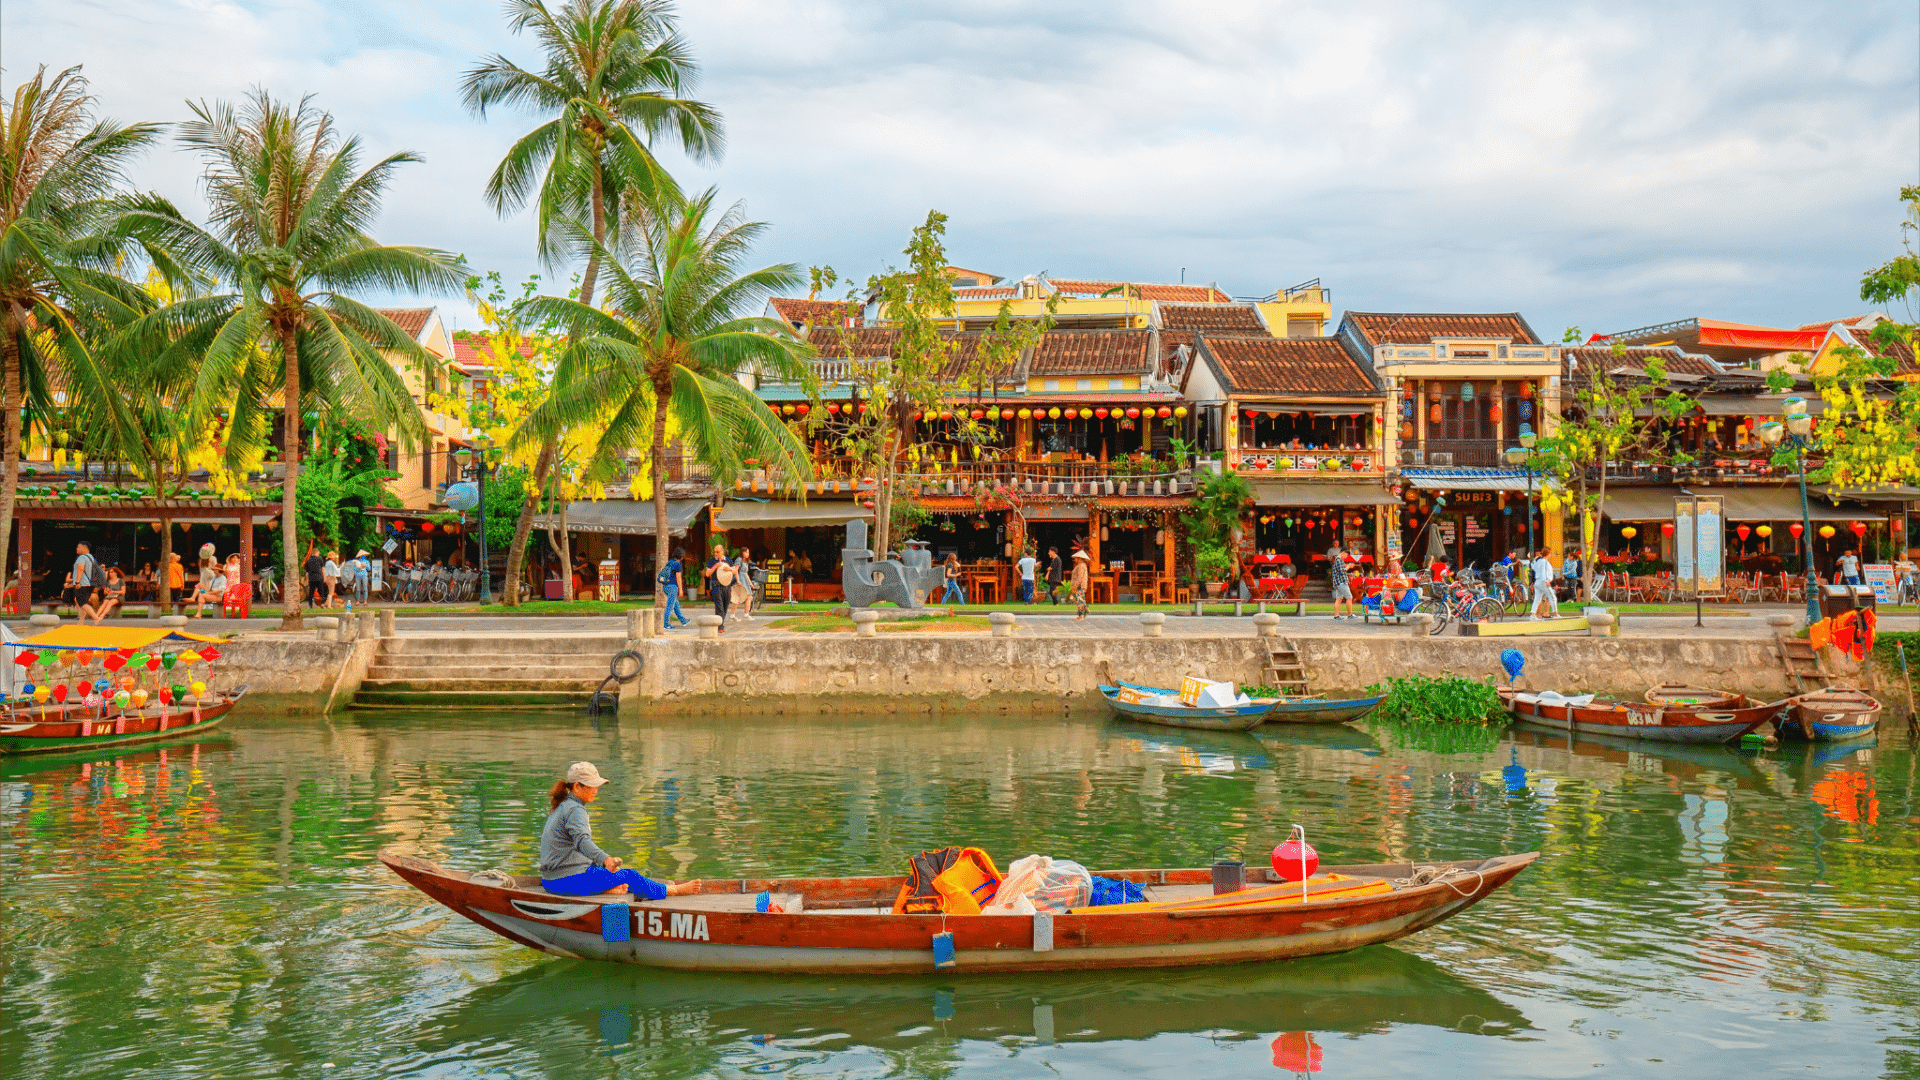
1211	563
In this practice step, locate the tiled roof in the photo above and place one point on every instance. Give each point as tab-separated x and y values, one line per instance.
472	349
1409	328
868	342
1899	351
412	320
1271	365
1094	352
1179	294
816	312
1852	320
987	292
1587	358
1240	320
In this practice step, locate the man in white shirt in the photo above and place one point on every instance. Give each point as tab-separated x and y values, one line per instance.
1027	565
1850	569
1541	571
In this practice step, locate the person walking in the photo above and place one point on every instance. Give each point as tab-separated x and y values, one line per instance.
362	577
718	577
1337	582
1541	571
955	593
1850	568
746	583
315	567
176	582
1081	561
1027	566
86	574
330	577
671	581
1055	570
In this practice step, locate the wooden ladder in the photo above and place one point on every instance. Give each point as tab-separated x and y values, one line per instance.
1803	663
1284	668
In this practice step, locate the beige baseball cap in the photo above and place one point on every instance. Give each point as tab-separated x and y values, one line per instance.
583	772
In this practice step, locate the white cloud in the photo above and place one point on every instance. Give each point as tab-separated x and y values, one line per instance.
1602	165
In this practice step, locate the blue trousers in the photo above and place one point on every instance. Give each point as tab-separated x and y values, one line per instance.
598	879
1026	589
954	591
673	606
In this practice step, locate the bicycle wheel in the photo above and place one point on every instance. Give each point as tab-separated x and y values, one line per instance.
437	590
1486	609
1440	612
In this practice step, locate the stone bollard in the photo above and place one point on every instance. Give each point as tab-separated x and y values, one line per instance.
1002	623
1599	623
386	622
1782	623
709	626
326	628
1266	624
1153	624
1421	621
639	626
45	619
866	623
174	622
349	627
369	622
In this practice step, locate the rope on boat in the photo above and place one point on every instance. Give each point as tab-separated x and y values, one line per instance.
1427	875
495	875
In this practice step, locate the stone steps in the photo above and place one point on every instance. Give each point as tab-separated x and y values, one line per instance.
486	671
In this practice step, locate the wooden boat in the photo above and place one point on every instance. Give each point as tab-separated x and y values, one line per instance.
1689	696
1641	720
1319	710
843	925
1230	718
1838	712
25	730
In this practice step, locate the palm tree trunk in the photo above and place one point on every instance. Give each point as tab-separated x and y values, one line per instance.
657	453
522	529
289	498
11	326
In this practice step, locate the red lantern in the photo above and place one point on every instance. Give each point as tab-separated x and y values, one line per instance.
1493	413
1666	528
1526	389
1796	529
1165	412
60	694
1134	413
426	526
1251	415
979	414
1100	413
1743	532
946	414
803	408
832	407
1435	414
916	414
115	662
1749	423
26	657
1006	414
1859	528
863	408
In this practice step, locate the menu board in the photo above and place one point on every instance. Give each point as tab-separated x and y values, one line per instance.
1880	576
1712	540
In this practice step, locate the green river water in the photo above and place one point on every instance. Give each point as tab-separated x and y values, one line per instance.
215	909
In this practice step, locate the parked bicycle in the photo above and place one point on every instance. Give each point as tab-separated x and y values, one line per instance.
1465	599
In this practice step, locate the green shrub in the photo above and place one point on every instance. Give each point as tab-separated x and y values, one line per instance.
1452	699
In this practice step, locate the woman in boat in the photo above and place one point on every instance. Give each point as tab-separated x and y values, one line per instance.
571	864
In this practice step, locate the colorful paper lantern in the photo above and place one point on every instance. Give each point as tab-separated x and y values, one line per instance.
1764	531
1526	410
1086	414
803	408
189	657
916	414
979	414
946	414
1859	528
426	526
1053	413
1100	414
1006	414
1526	390
153	662
121	699
199	690
1826	531
1796	529
1133	413
832	408
114	662
1252	415
1165	412
60	694
166	695
1743	532
209	654
1629	532
787	410
1493	412
167	660
25	657
1435	414
179	692
139	699
1180	411
85	687
1666	528
1025	414
42	693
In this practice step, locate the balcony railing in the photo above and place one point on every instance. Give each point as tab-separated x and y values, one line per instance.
1463	453
842	475
1306	462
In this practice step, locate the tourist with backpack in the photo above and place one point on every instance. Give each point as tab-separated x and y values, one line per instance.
670	580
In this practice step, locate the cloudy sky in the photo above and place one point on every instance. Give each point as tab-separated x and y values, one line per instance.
1606	165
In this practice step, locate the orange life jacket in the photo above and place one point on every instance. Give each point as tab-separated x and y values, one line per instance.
953	881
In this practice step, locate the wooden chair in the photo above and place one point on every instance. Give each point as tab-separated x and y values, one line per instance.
1100	589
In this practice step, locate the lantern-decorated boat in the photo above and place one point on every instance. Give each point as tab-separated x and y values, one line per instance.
78	687
850	925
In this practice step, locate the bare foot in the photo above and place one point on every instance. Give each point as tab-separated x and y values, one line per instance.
684	888
618	889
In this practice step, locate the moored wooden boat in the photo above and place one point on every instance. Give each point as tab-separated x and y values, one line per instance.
1319	710
1689	696
27	729
845	924
1838	712
1230	718
1640	720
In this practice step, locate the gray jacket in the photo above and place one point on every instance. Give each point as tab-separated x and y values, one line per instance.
566	844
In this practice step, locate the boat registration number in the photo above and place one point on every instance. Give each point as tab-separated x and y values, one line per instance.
675	924
1636	718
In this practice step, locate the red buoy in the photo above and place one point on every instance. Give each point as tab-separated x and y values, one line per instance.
1295	860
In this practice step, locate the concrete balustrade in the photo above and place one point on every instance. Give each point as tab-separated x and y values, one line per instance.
1153	624
326	628
866	624
1421	622
1266	624
709	626
1782	623
369	622
386	622
1003	622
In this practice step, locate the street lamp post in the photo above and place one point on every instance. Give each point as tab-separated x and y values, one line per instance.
479	458
1795	432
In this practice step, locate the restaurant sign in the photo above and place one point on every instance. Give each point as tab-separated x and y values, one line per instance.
1712	534
1055	512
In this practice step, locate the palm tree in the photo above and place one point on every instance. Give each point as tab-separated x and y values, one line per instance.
670	348
61	238
289	211
612	81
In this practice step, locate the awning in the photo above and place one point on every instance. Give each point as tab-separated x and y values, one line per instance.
753	514
1303	494
1878	494
1313	408
1761	405
106	638
1740	504
1476	480
623	517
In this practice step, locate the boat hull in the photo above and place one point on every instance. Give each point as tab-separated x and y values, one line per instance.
1832	715
74	729
1637	720
1321	710
1237	718
704	933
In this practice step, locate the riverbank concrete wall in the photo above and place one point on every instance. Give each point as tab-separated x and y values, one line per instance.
836	674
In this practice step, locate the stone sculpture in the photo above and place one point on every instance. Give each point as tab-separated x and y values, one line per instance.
906	581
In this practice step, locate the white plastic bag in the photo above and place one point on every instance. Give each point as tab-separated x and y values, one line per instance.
1038	883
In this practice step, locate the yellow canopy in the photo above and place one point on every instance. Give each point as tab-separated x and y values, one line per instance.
105	638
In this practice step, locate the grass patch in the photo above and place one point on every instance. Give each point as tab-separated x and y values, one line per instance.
841	624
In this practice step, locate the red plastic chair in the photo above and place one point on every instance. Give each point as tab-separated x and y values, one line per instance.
237	601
